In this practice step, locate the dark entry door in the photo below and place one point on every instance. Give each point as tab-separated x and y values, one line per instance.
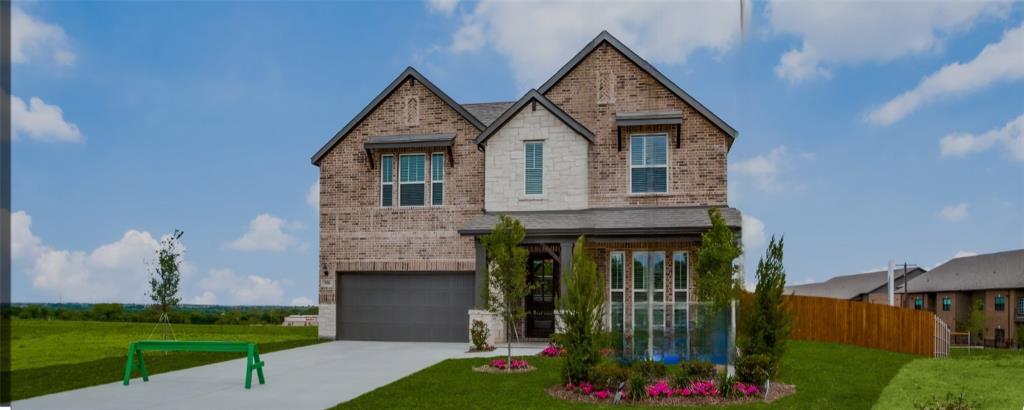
540	304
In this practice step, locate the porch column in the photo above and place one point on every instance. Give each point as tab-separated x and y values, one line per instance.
565	254
481	270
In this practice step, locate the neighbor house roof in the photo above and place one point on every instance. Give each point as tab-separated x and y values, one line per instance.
405	75
608	221
1000	270
850	286
534	96
605	37
489	111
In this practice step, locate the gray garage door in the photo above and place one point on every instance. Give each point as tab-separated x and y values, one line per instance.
405	307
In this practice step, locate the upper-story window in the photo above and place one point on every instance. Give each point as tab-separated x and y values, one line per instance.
605	87
648	164
918	303
411	114
534	170
947	303
411	182
1000	303
437	179
387	180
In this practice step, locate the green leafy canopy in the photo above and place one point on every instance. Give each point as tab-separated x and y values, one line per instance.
717	280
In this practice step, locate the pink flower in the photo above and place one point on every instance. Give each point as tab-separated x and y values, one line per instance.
586	388
687	392
746	389
660	388
569	386
602	394
552	351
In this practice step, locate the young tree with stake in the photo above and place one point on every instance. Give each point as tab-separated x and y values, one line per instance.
506	286
163	280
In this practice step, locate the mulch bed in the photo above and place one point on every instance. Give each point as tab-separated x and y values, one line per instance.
777	391
494	370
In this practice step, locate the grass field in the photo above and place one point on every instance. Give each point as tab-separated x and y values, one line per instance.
827	376
991	379
49	356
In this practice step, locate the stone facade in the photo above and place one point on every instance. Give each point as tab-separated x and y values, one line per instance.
698	173
565	164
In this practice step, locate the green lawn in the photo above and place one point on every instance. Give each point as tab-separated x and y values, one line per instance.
826	375
58	355
992	379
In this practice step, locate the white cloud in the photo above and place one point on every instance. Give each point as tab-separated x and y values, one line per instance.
41	121
266	233
753	233
1011	135
997	62
538	38
446	7
115	271
302	301
206	298
33	38
764	169
851	32
313	195
954	213
247	290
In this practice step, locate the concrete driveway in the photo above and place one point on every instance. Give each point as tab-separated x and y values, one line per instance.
311	377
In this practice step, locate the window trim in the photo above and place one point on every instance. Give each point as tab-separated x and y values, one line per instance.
542	173
650	290
629	164
390	183
612	289
424	182
433	181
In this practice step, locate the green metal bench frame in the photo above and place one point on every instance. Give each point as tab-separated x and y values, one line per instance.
135	360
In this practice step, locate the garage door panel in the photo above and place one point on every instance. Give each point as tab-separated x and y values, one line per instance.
405	307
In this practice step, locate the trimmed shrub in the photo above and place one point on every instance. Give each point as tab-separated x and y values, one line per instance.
755	369
699	369
479	333
608	375
649	369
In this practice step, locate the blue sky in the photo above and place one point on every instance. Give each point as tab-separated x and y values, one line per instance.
866	133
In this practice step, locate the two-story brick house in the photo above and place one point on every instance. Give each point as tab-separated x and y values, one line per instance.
608	147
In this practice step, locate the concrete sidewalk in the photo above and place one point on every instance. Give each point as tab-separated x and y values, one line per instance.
311	377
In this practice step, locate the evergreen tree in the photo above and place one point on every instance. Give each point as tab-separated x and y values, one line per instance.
717	280
767	325
583	316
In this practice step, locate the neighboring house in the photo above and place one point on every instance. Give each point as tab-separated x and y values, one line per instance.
871	287
608	147
299	320
952	289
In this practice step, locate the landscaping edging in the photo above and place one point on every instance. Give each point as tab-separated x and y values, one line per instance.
777	391
494	370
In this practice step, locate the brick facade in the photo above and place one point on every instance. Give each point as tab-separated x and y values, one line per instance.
698	173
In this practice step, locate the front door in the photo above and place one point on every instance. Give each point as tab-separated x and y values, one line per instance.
543	272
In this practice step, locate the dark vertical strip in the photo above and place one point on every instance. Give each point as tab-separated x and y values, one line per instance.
5	203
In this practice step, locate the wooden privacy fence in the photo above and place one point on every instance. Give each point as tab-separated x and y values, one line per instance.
865	324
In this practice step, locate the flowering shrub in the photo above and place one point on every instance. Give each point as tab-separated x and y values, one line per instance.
602	394
516	364
745	390
659	389
704	388
552	351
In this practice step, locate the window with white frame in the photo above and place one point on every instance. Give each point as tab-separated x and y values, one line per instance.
648	300
387	180
534	167
680	295
648	164
617	279
437	179
411	181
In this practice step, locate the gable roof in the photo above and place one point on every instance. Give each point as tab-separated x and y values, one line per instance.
408	72
533	95
1000	270
850	286
606	37
489	111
